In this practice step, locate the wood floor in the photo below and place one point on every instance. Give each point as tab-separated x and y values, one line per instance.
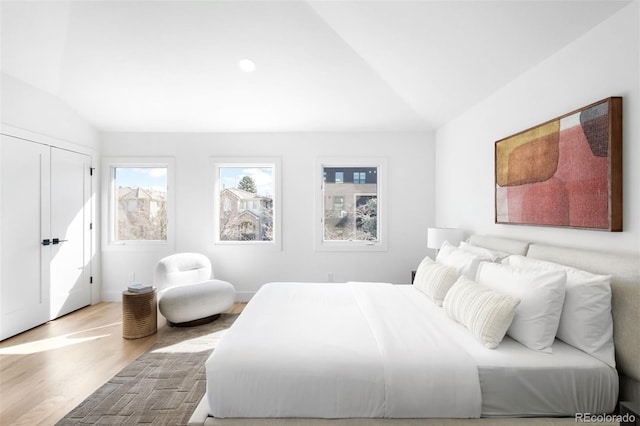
47	371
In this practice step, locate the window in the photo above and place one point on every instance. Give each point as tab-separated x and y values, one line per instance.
246	204
350	205
139	201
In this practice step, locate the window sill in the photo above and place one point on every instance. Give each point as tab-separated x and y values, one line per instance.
137	246
351	246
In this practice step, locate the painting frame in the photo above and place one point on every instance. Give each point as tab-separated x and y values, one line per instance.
565	172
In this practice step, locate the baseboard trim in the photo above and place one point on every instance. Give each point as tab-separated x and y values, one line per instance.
114	296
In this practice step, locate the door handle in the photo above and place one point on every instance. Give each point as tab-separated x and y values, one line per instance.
57	241
46	242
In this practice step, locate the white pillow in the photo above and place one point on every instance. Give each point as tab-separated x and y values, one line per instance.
463	262
485	313
586	322
484	253
434	279
541	295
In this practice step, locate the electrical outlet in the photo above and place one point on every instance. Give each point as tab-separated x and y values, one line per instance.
330	277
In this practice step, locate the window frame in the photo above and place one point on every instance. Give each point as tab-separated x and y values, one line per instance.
381	243
259	162
109	165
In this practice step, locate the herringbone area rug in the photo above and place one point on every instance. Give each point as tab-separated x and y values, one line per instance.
162	387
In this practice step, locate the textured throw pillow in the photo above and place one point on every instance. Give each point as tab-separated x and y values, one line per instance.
541	295
487	314
463	262
434	279
586	322
484	253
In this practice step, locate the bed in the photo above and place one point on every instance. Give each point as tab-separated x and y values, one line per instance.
369	353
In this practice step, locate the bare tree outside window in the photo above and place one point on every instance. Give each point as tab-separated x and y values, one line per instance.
367	218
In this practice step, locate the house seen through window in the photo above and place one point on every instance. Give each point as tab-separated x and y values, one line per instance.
246	209
350	196
140	204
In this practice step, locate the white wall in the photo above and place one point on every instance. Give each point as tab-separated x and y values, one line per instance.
602	63
410	193
25	107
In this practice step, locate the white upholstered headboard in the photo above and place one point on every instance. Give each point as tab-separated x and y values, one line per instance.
501	244
625	289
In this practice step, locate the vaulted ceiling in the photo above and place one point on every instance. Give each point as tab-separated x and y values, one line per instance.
363	65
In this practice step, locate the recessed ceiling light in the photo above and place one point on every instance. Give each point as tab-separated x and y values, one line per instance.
247	65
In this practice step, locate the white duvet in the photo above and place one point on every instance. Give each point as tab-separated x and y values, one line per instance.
340	351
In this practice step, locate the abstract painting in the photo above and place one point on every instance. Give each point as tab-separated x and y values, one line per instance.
566	172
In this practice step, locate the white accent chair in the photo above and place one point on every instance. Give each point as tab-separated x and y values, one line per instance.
187	294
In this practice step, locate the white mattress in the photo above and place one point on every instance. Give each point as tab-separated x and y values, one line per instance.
312	359
519	382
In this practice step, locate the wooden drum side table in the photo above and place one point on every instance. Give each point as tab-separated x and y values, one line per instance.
139	314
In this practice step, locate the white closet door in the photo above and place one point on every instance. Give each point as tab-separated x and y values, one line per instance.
24	216
70	219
